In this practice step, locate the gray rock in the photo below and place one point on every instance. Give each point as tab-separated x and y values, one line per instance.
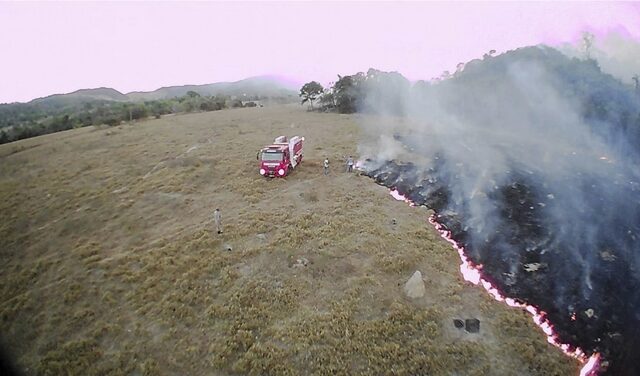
414	288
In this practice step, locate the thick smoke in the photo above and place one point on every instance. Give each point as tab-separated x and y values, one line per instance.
616	54
538	156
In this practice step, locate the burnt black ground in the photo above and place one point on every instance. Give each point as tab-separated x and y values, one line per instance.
598	314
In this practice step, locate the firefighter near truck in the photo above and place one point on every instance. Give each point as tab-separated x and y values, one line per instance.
281	157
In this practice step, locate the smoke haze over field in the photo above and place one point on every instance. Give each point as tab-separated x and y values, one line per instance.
538	155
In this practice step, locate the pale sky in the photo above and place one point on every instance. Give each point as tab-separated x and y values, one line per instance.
54	47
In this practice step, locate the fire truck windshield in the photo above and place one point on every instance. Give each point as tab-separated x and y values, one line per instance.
272	157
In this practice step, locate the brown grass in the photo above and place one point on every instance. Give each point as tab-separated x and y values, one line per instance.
111	265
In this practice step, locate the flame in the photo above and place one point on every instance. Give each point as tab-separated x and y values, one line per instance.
472	273
591	366
398	196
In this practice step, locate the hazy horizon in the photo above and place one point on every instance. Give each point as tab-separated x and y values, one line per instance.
53	48
280	80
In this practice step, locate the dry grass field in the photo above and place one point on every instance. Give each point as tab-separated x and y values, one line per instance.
110	265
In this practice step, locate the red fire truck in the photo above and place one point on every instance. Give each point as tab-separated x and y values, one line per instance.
279	158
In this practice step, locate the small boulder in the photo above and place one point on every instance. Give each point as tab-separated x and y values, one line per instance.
414	288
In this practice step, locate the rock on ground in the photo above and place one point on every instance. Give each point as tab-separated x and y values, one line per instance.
414	288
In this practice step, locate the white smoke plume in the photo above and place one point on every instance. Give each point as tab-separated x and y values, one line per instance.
616	54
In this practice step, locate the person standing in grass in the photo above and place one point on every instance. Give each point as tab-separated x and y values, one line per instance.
349	164
325	166
217	218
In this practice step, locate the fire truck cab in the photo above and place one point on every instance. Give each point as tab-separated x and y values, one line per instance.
279	158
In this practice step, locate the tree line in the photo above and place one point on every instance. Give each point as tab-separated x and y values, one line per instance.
353	93
24	120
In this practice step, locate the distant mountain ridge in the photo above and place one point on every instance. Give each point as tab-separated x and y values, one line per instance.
105	105
262	86
99	94
268	86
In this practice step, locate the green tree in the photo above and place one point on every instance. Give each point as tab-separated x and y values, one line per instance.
328	100
235	103
212	104
60	123
84	118
192	101
139	111
587	43
489	54
112	120
310	92
348	91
